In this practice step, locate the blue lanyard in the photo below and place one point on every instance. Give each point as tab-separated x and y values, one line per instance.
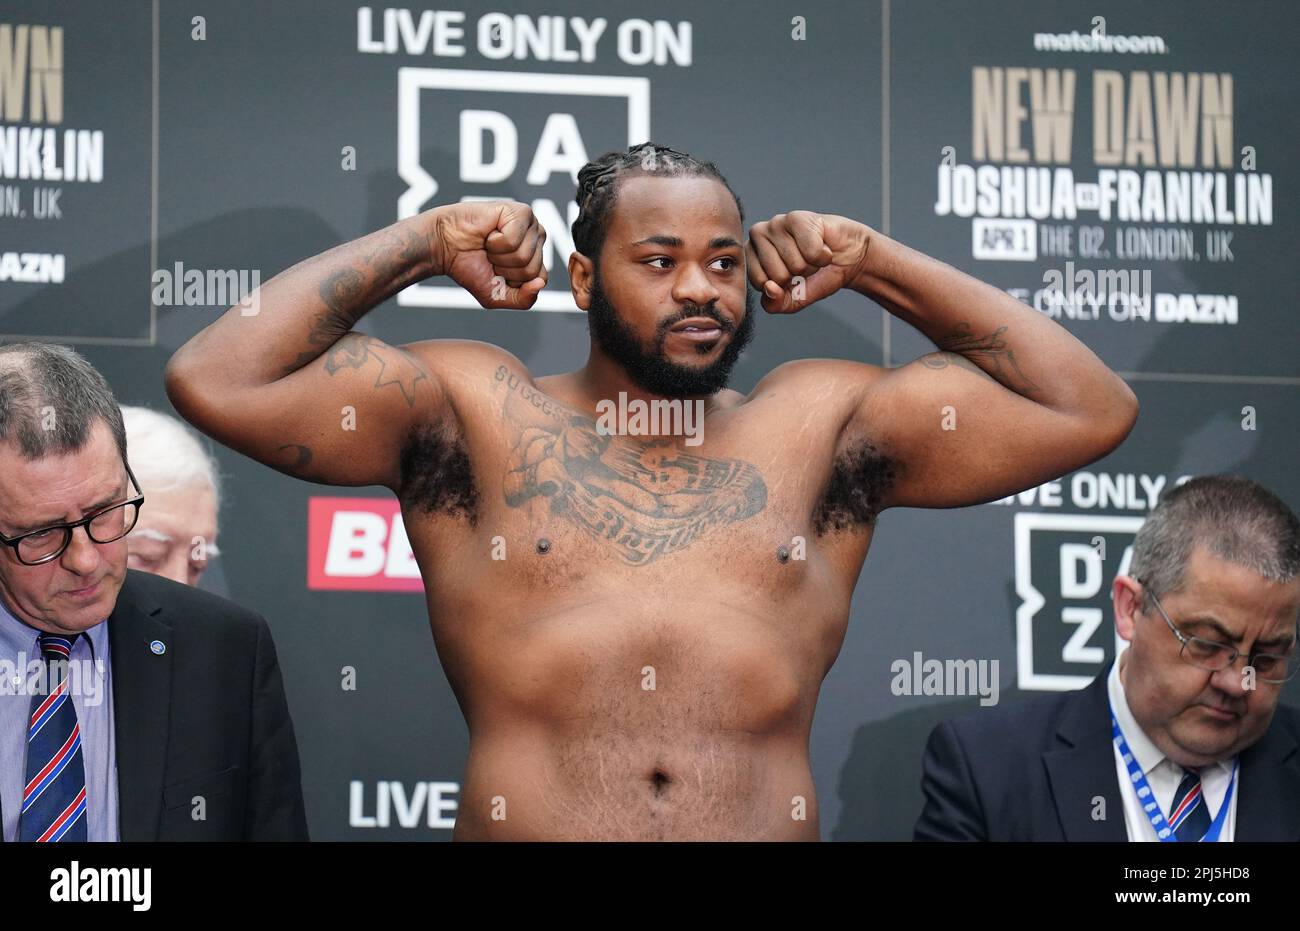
1151	808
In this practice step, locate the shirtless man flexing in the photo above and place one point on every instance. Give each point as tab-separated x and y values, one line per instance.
636	629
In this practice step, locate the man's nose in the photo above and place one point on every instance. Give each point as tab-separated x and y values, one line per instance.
693	286
82	554
177	566
1232	680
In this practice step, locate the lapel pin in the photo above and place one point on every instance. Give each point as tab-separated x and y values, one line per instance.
158	647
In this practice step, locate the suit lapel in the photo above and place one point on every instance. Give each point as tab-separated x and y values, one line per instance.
1082	768
1268	806
141	708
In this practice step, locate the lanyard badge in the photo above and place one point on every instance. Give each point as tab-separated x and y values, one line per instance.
1147	798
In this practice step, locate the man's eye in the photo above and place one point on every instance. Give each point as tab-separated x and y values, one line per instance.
658	258
731	263
1204	649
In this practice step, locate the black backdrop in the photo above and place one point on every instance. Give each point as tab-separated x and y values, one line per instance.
245	136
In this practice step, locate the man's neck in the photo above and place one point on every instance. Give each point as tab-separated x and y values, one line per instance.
603	379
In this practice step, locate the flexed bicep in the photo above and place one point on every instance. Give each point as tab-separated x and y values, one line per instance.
961	437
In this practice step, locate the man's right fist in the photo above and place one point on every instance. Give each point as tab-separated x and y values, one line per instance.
492	249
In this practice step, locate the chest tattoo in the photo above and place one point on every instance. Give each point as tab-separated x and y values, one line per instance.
646	498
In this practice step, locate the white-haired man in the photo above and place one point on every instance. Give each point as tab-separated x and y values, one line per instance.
176	535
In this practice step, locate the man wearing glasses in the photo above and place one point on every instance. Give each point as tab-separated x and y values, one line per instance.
1182	738
133	708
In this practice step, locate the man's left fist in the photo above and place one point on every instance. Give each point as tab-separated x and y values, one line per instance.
800	257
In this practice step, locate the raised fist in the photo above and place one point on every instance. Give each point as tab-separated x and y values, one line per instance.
797	258
492	249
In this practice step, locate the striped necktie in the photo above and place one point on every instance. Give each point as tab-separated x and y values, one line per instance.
1190	816
54	794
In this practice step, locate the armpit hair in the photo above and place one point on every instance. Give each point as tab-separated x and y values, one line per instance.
858	485
436	474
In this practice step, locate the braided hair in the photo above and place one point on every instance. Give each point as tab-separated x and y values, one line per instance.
598	187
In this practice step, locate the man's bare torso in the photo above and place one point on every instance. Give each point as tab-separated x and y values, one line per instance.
636	629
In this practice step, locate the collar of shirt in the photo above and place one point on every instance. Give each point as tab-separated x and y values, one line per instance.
17	636
1147	754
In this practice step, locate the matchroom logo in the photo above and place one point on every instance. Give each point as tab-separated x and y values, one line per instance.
529	122
1065	564
359	544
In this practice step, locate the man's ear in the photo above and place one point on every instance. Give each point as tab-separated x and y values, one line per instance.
1126	598
581	274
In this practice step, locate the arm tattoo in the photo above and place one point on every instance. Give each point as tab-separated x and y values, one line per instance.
394	263
297	459
992	348
323	334
397	259
391	367
941	360
341	290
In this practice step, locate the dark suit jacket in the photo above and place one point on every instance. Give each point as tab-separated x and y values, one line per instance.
206	717
1029	771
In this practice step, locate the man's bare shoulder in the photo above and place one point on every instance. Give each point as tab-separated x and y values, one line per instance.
818	380
468	373
462	361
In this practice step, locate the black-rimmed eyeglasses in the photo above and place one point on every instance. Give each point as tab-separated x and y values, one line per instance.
1273	668
104	526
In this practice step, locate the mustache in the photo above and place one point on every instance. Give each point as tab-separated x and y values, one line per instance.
696	310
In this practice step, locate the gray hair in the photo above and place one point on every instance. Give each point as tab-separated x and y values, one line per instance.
166	455
1234	518
44	383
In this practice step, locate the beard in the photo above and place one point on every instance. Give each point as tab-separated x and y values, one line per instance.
653	371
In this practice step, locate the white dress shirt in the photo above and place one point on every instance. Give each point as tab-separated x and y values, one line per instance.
1163	774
